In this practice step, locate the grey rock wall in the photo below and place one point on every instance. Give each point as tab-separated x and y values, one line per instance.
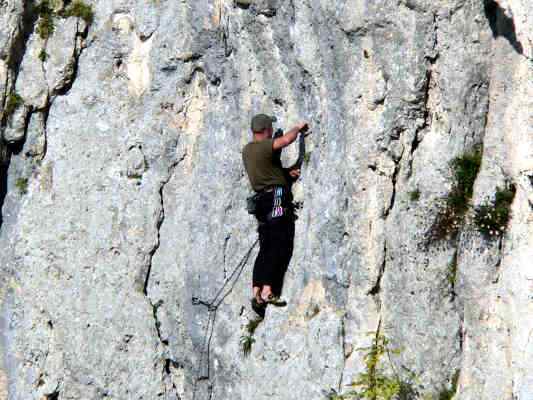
123	196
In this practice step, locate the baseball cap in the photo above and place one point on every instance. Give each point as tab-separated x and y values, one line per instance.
260	122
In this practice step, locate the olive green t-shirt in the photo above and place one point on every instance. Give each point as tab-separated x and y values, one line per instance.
263	165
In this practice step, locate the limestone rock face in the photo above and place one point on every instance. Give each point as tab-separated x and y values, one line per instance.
122	196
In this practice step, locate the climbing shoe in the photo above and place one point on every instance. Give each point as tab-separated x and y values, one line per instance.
258	307
275	301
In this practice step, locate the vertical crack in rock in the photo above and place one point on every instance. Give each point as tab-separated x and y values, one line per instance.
45	112
429	84
224	30
4	167
452	274
499	261
376	289
16	52
18	45
76	54
167	375
157	323
170	386
425	111
394	179
343	338
226	241
160	220
461	334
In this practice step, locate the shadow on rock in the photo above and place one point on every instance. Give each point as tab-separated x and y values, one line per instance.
4	166
502	25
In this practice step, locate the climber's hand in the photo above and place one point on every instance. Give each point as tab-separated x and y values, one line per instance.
294	173
303	127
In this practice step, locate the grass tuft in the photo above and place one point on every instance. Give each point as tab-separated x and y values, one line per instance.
246	344
248	340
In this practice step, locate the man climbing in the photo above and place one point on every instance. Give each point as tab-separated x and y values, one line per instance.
273	208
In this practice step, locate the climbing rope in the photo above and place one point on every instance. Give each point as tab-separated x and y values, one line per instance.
212	308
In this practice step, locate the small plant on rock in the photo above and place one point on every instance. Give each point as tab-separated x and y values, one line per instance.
491	218
22	185
13	102
248	340
45	24
414	195
451	216
43	55
80	10
374	383
246	343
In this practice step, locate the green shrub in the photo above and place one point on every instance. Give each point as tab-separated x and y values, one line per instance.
45	24
491	218
80	10
456	204
307	157
13	102
373	383
414	195
22	185
43	55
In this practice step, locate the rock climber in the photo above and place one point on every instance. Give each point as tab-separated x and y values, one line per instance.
274	208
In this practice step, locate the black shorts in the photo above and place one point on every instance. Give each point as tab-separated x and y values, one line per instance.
276	243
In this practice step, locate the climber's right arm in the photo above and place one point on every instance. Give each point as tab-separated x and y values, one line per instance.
289	137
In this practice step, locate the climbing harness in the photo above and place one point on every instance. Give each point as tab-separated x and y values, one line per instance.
212	308
251	201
